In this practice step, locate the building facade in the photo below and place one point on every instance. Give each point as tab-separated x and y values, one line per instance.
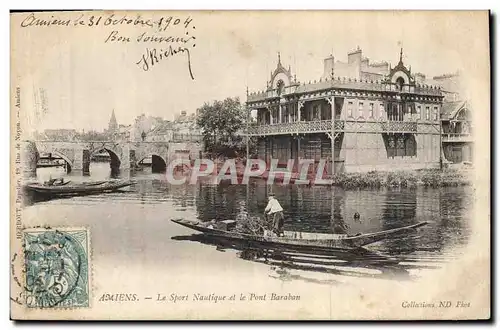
182	129
456	120
457	139
374	118
59	134
143	125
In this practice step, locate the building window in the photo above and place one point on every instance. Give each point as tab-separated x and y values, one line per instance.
324	113
410	146
411	109
316	111
391	146
349	109
280	86
381	110
427	113
400	145
360	110
371	110
419	114
312	149
400	83
436	113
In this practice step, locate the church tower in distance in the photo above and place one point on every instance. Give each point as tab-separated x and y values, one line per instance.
113	125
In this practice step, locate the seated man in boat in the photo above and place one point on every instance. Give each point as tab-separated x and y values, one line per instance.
54	182
49	182
58	181
274	211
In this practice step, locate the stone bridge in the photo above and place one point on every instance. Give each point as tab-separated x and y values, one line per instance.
124	155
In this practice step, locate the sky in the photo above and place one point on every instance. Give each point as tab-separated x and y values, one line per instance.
85	78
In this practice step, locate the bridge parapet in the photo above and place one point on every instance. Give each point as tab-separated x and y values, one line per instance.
123	155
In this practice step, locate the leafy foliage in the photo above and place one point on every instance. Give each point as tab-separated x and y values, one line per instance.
223	125
93	136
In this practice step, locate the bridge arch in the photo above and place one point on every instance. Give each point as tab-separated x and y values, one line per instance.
69	162
158	151
158	162
66	154
115	160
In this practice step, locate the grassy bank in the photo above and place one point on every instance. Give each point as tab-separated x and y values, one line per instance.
426	178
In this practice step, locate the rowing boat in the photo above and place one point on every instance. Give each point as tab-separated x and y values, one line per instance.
304	241
77	188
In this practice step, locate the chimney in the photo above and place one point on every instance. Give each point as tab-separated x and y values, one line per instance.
329	66
419	78
365	62
354	56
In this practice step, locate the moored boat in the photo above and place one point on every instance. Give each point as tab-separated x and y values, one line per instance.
77	188
318	243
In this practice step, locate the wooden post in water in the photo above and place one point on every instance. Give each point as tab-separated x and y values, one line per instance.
333	158
248	128
247	204
332	104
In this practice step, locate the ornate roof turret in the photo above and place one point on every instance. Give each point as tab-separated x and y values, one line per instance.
284	74
400	70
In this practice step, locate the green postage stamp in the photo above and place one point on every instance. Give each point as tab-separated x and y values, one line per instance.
57	268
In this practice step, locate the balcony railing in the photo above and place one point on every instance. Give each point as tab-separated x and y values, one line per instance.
324	126
457	137
399	126
318	126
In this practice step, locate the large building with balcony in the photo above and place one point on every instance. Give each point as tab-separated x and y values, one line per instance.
372	117
456	120
457	132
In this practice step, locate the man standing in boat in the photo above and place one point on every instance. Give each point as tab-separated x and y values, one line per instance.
274	211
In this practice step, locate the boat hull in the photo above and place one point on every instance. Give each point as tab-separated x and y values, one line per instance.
317	246
84	188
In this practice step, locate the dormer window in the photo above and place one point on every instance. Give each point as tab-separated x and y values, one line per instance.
400	83
280	86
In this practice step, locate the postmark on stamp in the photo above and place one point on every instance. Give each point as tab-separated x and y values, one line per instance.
57	268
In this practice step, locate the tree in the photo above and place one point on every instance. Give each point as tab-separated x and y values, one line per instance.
92	136
222	125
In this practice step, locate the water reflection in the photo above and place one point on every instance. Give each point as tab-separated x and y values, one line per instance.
323	209
311	209
355	263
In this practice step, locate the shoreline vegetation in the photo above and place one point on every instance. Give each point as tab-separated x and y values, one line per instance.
417	178
446	177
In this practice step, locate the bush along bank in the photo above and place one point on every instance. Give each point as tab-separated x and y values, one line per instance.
425	178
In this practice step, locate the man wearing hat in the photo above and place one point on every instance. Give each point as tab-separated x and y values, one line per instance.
275	211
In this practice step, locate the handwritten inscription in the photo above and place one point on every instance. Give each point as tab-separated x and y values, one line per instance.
115	36
162	23
153	56
175	34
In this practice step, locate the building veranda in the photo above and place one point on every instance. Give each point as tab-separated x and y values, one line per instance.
365	116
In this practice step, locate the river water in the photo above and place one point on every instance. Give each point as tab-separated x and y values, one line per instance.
134	225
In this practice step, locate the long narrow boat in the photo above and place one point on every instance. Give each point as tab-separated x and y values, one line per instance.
77	189
48	165
303	241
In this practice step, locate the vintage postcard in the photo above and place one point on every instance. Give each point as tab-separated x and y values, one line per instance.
250	165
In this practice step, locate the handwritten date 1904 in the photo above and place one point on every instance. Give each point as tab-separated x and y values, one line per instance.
153	56
163	23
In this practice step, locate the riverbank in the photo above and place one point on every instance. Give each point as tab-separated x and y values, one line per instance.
426	178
